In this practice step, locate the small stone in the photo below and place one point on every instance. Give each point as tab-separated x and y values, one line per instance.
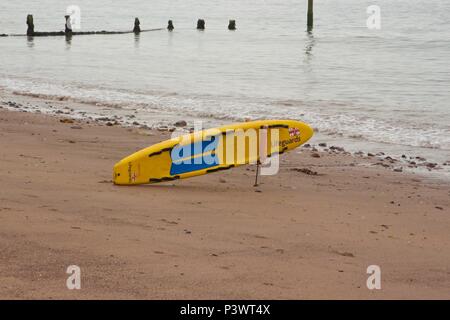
322	144
305	171
103	119
315	155
163	128
347	254
339	149
431	165
180	123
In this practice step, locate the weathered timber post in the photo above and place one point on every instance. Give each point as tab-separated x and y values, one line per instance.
68	27
200	24
30	24
310	20
170	26
137	28
232	25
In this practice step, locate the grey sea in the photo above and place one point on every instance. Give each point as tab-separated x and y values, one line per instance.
367	89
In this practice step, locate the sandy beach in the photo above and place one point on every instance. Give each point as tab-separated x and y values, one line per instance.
309	232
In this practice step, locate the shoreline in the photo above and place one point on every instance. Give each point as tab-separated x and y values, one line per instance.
410	163
309	232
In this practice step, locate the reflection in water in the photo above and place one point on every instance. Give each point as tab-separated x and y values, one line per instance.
137	38
310	42
169	39
30	42
68	41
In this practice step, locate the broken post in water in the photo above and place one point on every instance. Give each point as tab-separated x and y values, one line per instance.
30	24
200	24
170	26
310	18
137	28
232	25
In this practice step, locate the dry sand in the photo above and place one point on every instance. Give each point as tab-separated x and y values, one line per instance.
296	236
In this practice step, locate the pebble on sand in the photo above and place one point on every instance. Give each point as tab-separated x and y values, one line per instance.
180	123
305	171
66	120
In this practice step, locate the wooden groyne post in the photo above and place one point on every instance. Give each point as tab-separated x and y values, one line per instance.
68	30
200	24
170	26
30	24
232	25
137	28
68	26
310	17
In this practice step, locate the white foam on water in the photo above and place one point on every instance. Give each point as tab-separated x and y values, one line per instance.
354	125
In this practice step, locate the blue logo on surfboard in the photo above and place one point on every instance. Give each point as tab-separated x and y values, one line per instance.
195	156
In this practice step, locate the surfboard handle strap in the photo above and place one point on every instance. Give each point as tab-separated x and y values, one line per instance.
220	168
154	180
159	152
164	179
273	126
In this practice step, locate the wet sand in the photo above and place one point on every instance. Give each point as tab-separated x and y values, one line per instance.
309	232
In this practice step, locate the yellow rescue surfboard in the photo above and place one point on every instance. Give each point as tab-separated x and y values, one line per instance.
211	150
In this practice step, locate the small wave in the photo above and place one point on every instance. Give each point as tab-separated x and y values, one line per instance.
334	118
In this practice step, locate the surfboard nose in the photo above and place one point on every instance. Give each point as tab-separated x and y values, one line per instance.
308	132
